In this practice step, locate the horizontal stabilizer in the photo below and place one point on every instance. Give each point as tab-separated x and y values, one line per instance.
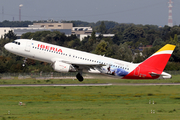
162	75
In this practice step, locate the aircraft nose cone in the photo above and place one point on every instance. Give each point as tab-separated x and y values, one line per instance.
7	46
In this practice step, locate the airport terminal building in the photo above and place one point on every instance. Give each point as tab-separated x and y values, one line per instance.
66	28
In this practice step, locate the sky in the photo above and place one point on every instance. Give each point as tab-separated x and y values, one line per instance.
153	12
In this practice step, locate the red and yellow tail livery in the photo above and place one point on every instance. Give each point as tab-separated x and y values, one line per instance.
152	67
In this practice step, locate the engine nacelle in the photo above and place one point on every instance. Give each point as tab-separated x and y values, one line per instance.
62	67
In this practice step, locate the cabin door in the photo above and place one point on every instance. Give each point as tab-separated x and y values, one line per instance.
28	46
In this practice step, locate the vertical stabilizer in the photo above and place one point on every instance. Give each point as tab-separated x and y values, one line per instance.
158	60
153	66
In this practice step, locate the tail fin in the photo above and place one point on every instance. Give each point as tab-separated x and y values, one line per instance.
153	66
158	60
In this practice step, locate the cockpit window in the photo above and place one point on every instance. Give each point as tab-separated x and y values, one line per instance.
18	43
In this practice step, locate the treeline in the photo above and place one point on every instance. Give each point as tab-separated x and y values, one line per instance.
7	23
125	45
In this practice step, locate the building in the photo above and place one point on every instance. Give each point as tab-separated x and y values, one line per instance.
82	36
4	30
80	31
54	25
65	28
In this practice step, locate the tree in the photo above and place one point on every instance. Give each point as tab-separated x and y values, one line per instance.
133	34
101	48
116	39
124	53
158	42
10	35
102	28
93	36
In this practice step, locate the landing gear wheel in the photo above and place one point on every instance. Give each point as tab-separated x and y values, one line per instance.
79	77
24	62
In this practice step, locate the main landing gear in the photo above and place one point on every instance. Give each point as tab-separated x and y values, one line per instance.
79	77
24	62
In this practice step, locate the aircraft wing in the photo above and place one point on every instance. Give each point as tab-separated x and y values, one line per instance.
83	65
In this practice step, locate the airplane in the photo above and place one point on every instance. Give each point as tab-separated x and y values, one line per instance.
66	60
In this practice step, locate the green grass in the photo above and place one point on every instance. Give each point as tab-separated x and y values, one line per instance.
107	102
94	79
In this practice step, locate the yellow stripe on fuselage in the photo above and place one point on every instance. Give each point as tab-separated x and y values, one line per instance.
167	47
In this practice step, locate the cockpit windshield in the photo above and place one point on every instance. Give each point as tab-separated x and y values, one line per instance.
18	43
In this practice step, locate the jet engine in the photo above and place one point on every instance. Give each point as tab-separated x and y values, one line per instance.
62	67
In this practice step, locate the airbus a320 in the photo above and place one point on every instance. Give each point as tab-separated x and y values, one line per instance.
69	60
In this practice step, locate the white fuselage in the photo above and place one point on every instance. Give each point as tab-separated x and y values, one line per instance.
50	53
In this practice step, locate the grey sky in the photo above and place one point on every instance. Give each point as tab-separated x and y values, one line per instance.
122	11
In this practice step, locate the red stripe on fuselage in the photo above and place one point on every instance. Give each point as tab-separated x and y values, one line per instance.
155	64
